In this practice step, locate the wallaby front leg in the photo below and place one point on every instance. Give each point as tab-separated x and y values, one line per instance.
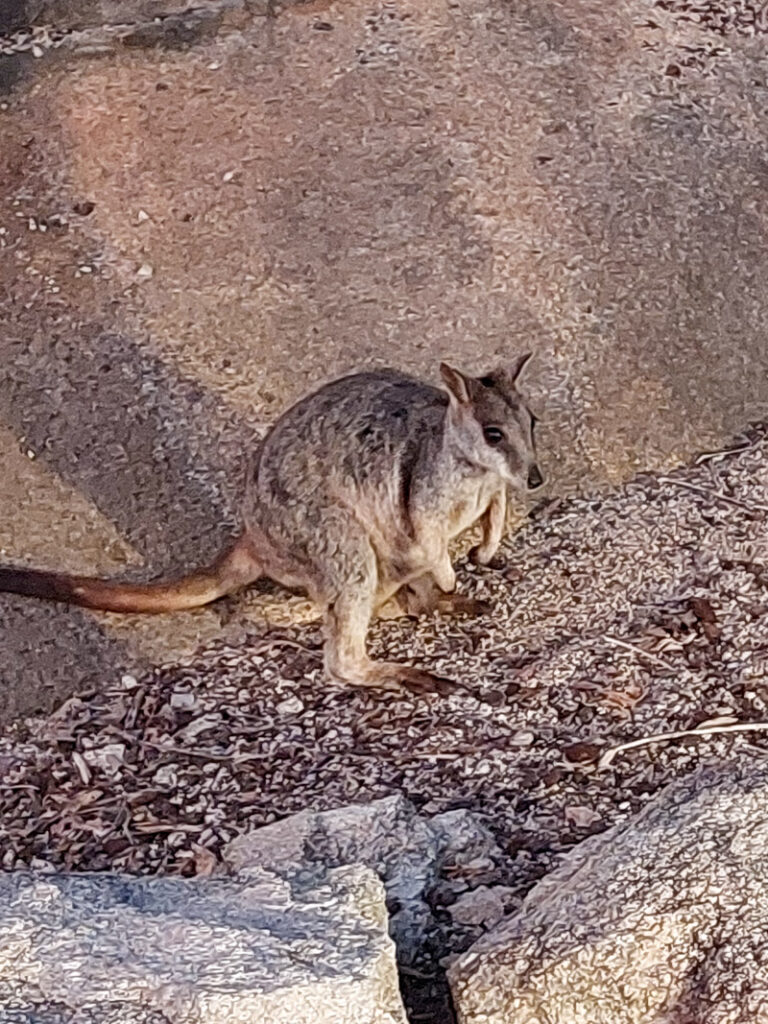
443	572
492	522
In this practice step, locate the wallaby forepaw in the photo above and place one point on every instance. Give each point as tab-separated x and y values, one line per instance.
479	555
488	559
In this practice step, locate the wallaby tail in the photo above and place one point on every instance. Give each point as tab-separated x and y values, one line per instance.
236	567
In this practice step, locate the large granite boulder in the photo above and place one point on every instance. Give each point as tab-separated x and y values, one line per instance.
661	919
108	948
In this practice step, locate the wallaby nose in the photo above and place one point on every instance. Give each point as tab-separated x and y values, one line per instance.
535	479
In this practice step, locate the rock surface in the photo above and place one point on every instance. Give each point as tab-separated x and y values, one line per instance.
74	15
406	850
145	951
662	919
193	238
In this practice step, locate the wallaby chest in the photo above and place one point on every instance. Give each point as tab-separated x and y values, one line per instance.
459	503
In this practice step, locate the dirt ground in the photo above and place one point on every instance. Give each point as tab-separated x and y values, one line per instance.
191	238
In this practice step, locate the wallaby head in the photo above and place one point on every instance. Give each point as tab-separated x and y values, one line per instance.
491	425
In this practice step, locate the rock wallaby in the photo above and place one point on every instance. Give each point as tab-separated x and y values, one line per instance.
354	496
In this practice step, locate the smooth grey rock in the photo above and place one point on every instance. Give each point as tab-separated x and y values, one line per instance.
661	920
387	835
102	948
80	14
484	906
406	850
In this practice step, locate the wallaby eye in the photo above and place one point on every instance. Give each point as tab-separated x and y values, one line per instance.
493	435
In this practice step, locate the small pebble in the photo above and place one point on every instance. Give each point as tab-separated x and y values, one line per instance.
289	706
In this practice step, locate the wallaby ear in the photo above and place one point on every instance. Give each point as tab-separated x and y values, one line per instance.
456	382
509	372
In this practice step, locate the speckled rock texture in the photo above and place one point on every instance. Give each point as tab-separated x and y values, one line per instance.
76	15
405	849
88	948
192	238
661	920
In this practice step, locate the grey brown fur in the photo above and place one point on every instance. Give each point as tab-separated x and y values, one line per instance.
354	496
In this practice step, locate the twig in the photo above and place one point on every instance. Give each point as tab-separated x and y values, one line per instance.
640	652
411	972
443	755
82	768
661	737
98	806
158	827
266	646
713	494
206	755
724	453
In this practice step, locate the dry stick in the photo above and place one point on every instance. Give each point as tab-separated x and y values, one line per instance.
723	453
639	651
609	755
206	755
283	641
713	494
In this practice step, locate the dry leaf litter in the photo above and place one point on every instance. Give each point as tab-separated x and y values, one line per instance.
704	34
745	17
614	618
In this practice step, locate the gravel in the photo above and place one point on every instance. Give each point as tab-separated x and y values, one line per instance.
614	618
36	40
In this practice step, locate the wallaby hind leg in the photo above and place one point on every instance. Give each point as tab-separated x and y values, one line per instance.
347	660
347	581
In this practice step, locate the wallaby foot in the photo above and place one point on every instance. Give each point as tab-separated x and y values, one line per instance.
415	680
460	604
423	597
346	658
391	677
